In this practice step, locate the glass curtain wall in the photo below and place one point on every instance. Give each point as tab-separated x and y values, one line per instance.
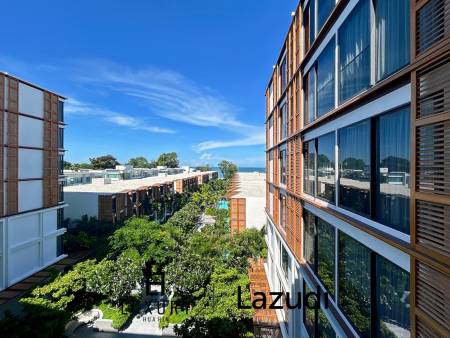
325	79
354	52
326	254
326	167
309	223
309	164
354	283
393	169
310	96
392	36
354	167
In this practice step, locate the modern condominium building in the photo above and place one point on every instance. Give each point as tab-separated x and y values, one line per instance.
31	199
358	168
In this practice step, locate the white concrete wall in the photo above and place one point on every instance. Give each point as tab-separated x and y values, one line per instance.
31	100
80	203
30	195
28	243
254	212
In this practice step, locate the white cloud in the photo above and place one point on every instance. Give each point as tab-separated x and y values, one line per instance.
255	139
206	156
76	107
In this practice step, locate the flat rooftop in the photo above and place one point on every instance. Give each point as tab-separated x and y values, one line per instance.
250	185
98	185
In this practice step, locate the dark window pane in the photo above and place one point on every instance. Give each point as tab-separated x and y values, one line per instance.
307	28
392	300
354	52
283	211
283	74
61	111
393	167
309	235
312	21
326	167
309	167
283	118
354	282
325	328
325	7
325	80
392	35
285	262
310	96
354	167
309	315
283	165
326	254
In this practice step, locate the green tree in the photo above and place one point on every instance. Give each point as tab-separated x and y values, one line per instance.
139	162
169	160
248	244
186	218
67	165
228	169
67	292
151	240
104	162
116	279
216	314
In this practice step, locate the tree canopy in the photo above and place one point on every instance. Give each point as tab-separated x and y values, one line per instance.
104	162
169	160
141	162
228	169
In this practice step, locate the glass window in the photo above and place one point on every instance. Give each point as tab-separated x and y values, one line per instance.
325	328
283	164
392	300
393	168
326	167
354	282
310	96
283	118
309	315
60	218
326	254
271	102
312	21
285	262
307	27
324	10
309	164
283	211
354	52
392	36
61	111
283	74
354	167
309	228
325	79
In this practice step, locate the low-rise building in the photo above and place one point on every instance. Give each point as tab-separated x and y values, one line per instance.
247	201
119	200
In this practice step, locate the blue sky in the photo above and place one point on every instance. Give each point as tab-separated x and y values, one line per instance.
145	77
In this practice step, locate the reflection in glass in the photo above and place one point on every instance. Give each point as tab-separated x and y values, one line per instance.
354	52
393	167
283	165
325	254
354	167
309	235
283	211
312	21
309	315
283	74
310	96
325	328
324	10
285	262
392	300
325	80
283	118
354	282
392	36
309	160
326	167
